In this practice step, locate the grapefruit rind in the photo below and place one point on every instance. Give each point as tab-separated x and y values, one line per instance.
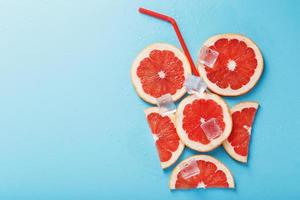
227	146
176	154
213	143
219	164
253	80
144	54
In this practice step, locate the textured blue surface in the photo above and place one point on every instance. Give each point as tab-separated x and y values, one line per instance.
72	126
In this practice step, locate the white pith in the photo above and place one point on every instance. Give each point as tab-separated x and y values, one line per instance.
253	80
231	65
155	137
176	154
201	185
161	74
227	146
220	166
202	120
144	54
213	143
248	129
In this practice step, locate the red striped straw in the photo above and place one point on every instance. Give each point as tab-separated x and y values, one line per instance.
180	38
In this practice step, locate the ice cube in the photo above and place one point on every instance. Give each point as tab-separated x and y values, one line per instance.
166	104
208	56
211	128
189	169
195	84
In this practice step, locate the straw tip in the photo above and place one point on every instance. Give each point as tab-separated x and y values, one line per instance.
141	9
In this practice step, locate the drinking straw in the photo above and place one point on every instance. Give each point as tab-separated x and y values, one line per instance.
176	28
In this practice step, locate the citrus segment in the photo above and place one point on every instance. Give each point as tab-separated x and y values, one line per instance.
237	144
164	132
238	67
193	115
158	70
211	173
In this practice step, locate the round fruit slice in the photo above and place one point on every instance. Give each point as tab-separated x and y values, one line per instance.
237	144
201	171
238	67
194	112
158	70
163	129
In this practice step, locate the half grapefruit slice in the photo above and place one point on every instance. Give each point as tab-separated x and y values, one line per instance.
237	144
238	67
201	171
160	69
195	111
164	133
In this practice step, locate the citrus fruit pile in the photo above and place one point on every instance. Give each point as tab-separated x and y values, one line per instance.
202	120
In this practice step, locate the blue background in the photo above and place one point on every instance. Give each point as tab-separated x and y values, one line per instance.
72	126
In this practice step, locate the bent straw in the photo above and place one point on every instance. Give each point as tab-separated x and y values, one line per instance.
180	38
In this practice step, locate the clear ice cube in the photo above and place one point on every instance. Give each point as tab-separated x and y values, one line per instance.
166	104
208	56
211	128
189	169
195	84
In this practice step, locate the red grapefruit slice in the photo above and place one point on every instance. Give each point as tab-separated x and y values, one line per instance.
237	68
195	111
207	172
158	70
237	144
164	133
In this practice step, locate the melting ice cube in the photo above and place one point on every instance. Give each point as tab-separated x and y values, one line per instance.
211	128
207	56
166	104
195	84
189	169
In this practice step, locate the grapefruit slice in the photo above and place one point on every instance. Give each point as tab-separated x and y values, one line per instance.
207	172
193	112
237	68
164	133
237	144
158	70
